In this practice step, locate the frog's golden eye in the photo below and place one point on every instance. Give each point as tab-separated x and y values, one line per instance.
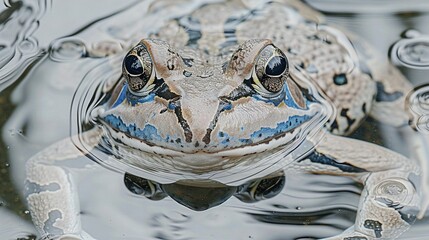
271	71
137	68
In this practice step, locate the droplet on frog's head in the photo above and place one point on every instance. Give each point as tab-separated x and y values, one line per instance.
133	65
412	51
276	66
67	49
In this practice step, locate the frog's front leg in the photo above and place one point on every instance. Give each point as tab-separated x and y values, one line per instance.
389	201
49	189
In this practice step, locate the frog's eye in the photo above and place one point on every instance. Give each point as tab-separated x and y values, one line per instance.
271	71
137	68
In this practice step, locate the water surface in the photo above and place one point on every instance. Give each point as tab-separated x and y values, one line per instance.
43	59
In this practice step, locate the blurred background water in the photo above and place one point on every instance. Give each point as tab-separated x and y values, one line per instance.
43	58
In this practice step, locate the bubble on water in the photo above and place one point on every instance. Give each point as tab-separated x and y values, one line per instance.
411	51
67	49
418	106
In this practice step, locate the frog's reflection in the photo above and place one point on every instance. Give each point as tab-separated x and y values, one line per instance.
200	195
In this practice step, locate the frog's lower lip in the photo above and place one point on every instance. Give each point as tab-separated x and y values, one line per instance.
259	147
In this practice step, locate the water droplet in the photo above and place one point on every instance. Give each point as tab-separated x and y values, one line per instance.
418	106
411	33
423	100
67	49
29	45
422	124
7	165
412	51
396	190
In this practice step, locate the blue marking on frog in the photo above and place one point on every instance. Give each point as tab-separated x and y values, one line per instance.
224	138
285	97
148	133
227	106
265	132
282	127
122	96
132	99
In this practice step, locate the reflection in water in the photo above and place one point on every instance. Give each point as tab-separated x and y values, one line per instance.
201	195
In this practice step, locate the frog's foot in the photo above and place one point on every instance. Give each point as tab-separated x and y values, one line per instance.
386	210
390	200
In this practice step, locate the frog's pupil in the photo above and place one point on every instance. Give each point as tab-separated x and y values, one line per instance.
133	65
276	66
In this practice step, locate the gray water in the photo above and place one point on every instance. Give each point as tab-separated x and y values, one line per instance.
42	63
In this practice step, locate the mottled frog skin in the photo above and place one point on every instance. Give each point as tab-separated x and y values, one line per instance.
236	81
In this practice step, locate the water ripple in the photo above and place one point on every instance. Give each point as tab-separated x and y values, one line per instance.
418	101
411	51
18	49
67	49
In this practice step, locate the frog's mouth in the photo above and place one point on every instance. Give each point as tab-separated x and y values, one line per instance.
288	136
229	166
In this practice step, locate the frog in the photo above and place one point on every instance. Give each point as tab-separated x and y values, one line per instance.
240	84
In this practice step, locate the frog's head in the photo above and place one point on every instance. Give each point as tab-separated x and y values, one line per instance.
172	101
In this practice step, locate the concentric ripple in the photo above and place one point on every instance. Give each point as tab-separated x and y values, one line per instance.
18	47
412	51
418	102
67	49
